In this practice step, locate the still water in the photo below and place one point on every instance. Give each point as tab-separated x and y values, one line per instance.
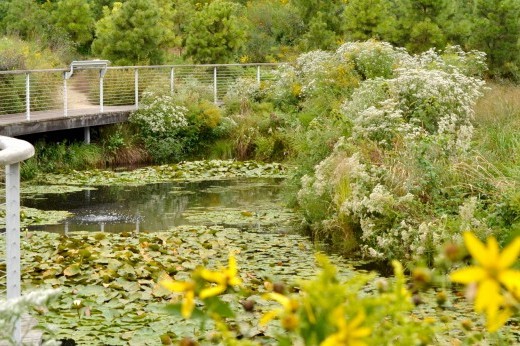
154	207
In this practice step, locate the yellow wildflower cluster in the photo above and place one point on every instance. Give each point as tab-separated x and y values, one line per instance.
494	279
223	279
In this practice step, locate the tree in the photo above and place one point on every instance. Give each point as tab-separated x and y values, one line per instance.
496	31
215	35
134	32
366	19
75	17
421	24
24	18
272	27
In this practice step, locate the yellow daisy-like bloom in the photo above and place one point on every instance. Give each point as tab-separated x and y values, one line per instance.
223	278
492	272
188	288
349	334
288	310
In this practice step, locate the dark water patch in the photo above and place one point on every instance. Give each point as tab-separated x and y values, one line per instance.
249	203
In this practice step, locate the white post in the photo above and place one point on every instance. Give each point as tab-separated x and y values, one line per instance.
136	83
101	108
27	96
12	241
258	75
215	96
65	101
172	80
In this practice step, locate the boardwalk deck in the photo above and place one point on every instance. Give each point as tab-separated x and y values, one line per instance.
53	120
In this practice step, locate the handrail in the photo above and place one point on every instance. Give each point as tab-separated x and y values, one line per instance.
14	150
146	67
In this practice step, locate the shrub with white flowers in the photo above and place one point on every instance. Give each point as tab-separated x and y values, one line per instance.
410	119
159	116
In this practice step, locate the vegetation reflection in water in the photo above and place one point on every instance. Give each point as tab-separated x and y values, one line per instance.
243	203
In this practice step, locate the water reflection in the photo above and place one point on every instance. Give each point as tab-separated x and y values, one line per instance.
153	207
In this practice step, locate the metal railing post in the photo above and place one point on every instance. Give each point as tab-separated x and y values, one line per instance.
172	80
215	96
258	75
12	235
101	105
12	152
136	84
65	100
27	96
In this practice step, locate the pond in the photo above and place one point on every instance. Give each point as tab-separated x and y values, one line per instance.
110	244
242	202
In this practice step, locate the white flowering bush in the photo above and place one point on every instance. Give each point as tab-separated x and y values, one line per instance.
173	127
417	102
159	116
386	185
373	59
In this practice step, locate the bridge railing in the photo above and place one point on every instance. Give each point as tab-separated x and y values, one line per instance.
12	152
88	90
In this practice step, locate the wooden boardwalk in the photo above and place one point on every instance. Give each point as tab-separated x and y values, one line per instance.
53	120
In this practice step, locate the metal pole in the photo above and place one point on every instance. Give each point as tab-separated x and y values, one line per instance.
27	96
65	101
172	80
136	82
101	106
86	135
258	75
12	242
215	96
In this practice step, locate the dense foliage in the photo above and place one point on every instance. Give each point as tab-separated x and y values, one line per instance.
212	31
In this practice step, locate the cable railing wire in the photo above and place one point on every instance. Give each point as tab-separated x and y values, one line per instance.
87	90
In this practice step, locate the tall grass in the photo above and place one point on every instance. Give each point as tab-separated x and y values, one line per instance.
497	122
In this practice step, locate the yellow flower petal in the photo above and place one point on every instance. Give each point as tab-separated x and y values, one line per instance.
360	332
476	248
268	316
510	254
232	266
235	281
495	322
212	291
213	276
510	278
177	286
488	295
493	250
333	340
356	321
280	298
468	275
188	304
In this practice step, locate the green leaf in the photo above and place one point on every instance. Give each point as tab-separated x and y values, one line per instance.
72	270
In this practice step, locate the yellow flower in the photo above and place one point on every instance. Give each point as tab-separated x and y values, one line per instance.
349	334
188	288
223	278
492	272
288	310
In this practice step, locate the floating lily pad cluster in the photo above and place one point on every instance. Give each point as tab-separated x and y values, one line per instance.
36	217
194	170
109	281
